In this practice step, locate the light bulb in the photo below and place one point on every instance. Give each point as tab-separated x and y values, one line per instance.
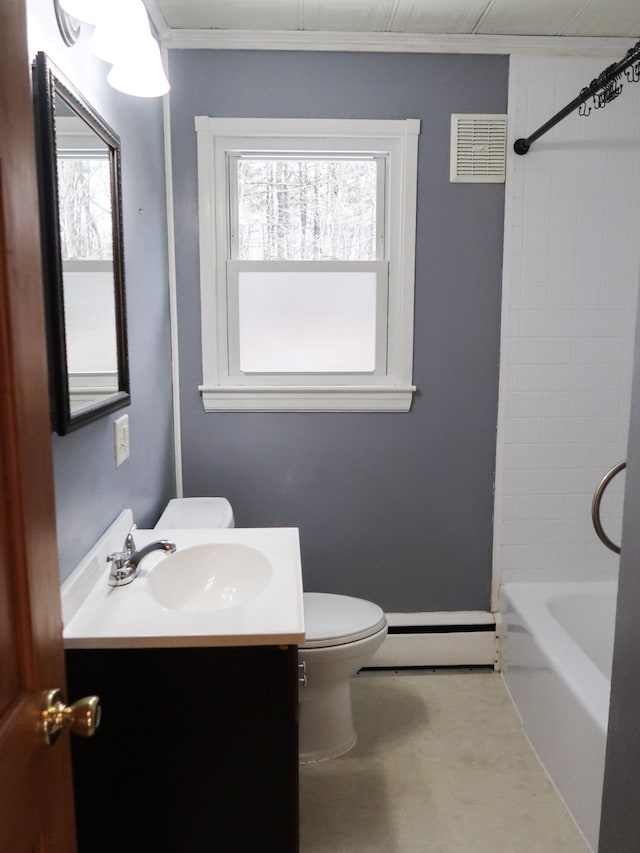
122	25
140	72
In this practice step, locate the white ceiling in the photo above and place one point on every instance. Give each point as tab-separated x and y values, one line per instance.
610	18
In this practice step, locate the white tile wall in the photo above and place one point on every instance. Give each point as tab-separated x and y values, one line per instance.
571	271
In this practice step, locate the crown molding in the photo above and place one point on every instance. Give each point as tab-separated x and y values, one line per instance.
392	42
158	20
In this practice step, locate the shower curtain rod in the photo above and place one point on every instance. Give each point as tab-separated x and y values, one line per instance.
604	89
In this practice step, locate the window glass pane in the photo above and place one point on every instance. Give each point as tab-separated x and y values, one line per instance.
84	202
90	322
306	210
308	322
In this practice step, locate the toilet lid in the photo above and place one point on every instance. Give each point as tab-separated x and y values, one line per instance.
331	620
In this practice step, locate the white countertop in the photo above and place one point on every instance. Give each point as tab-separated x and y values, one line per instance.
98	616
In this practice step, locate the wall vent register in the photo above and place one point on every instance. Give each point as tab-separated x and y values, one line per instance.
478	148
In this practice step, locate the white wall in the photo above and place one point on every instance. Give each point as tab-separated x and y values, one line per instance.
571	262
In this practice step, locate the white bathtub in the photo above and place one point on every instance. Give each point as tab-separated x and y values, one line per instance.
557	650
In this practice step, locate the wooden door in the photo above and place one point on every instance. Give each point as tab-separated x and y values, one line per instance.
36	805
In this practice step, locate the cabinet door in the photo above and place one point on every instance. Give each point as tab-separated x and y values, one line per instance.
198	750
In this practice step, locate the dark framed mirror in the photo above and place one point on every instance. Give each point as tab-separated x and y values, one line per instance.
83	255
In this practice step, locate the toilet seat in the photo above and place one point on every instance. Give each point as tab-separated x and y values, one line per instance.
334	620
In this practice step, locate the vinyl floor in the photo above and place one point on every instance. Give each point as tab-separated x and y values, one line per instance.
441	766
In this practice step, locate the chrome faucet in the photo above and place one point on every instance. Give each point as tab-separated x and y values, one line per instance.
125	564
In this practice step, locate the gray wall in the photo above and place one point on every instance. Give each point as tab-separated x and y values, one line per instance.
620	821
90	491
393	507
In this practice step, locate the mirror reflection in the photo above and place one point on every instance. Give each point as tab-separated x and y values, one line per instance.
86	248
83	253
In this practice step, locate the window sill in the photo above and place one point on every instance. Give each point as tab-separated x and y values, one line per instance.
327	398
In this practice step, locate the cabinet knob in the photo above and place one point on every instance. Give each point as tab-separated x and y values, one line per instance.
83	717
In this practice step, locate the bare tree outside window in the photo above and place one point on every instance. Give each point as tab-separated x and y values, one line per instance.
84	187
295	209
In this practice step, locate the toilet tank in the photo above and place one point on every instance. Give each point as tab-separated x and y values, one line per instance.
196	512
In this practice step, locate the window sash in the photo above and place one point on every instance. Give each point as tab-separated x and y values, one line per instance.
237	377
233	250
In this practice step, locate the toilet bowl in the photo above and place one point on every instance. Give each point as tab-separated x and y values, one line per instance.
342	634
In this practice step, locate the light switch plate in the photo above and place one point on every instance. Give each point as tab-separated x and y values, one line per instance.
121	439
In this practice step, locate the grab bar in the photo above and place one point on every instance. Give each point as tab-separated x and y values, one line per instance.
595	506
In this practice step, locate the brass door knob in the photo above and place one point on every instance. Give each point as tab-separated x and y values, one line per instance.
83	717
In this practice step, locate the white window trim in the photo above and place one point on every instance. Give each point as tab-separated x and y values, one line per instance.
391	392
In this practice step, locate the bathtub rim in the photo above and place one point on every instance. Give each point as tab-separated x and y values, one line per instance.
583	677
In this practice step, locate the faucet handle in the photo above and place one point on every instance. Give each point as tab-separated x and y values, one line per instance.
118	567
120	570
129	544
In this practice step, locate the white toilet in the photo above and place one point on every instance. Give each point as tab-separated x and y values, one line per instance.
342	635
196	512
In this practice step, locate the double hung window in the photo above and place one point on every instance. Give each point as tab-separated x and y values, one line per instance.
307	240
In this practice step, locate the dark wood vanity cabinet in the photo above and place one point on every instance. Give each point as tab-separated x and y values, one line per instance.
197	750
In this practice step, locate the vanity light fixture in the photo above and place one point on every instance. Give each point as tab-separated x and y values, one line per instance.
87	11
123	38
69	26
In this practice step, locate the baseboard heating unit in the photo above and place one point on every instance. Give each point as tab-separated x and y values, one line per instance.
443	639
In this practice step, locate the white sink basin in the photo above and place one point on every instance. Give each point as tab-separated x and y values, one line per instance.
226	587
214	576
